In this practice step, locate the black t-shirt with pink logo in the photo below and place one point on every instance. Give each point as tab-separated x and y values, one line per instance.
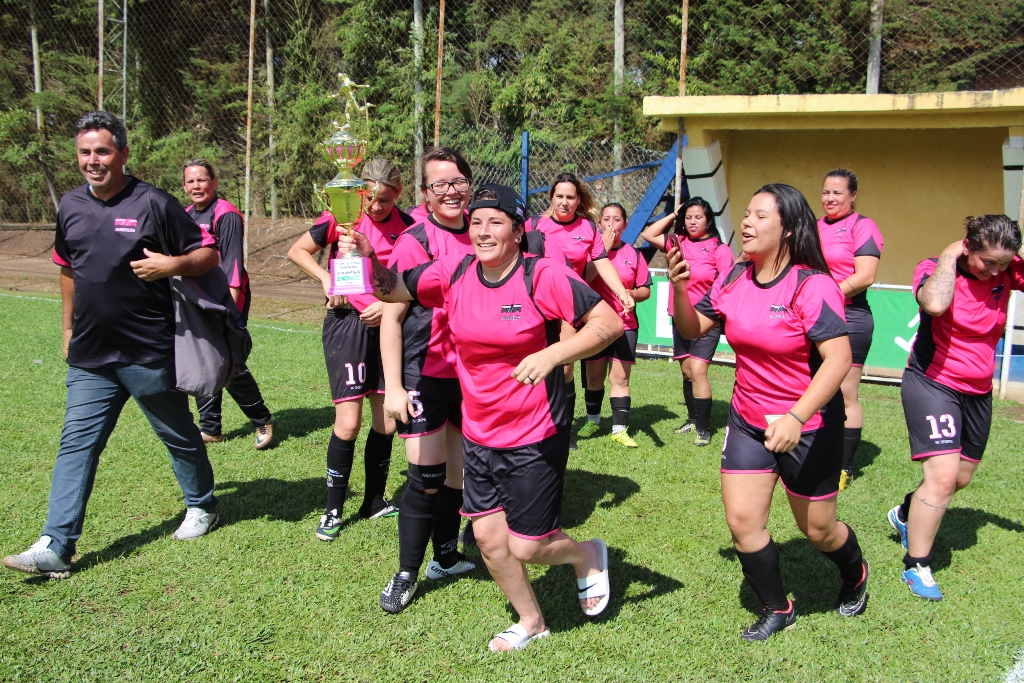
120	318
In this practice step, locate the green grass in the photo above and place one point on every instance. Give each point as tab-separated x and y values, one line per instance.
262	600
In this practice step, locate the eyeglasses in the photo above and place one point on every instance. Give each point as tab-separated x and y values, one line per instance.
441	187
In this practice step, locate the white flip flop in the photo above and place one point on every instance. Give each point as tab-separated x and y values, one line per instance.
596	586
516	636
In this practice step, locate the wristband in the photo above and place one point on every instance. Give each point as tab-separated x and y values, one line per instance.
790	412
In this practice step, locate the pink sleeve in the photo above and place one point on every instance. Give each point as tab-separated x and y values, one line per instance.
560	293
429	282
867	238
923	272
820	304
1016	273
408	253
708	306
597	250
643	273
723	259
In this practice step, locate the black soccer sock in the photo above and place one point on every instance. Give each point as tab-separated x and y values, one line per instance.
446	526
905	507
377	462
701	414
620	410
849	559
911	562
415	522
570	396
340	453
594	399
762	572
851	440
688	398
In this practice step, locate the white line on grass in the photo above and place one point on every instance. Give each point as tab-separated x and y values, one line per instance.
281	329
1016	674
34	298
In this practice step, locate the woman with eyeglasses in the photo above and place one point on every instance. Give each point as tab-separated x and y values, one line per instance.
422	390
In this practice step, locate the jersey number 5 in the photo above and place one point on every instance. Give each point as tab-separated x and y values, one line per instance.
949	431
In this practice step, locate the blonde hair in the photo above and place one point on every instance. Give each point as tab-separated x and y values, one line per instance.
588	205
382	171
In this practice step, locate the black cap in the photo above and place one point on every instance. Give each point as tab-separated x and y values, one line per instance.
508	200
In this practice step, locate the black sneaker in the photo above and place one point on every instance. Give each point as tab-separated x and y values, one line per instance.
853	599
703	438
384	508
687	426
573	446
398	593
329	526
768	623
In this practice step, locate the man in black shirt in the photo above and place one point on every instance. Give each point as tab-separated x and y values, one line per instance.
119	336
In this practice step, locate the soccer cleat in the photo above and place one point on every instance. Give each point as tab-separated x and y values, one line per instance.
198	522
211	438
770	622
388	509
39	560
264	435
588	429
845	479
898	524
703	438
853	599
623	438
329	526
687	426
921	583
436	571
398	593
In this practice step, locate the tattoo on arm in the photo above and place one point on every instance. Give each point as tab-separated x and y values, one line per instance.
931	505
383	279
939	287
600	330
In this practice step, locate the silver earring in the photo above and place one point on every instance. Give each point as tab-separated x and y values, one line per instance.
517	240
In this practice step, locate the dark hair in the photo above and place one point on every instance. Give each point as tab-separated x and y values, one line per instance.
709	214
588	205
851	177
616	205
443	154
198	161
102	120
992	231
802	240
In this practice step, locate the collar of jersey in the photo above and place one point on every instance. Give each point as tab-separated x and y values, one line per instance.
502	281
829	221
705	238
574	219
777	280
966	273
126	190
465	228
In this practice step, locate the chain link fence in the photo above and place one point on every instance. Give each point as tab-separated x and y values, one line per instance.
572	72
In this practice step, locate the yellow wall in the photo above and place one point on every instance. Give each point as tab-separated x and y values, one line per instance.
918	185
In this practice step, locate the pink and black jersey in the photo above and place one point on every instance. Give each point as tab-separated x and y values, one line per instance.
382	236
495	325
958	348
632	269
223	221
428	350
845	239
773	328
579	239
708	259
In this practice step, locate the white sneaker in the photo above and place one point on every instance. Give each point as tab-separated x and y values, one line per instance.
436	571
198	522
40	560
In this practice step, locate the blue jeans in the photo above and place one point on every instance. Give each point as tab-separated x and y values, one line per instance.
95	399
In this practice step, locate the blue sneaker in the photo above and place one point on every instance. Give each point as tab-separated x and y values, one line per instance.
898	524
921	583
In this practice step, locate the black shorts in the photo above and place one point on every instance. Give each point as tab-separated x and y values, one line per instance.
702	348
526	482
811	470
436	403
861	324
622	349
943	420
352	352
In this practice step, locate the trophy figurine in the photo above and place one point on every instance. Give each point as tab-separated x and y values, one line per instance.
344	195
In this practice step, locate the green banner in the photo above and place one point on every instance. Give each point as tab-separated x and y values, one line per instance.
895	312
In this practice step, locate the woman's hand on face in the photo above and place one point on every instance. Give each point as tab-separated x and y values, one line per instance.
783	435
678	268
956	250
534	368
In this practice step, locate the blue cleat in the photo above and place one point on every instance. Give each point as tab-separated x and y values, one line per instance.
921	583
898	524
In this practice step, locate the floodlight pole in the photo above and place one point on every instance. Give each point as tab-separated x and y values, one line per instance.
248	129
440	59
875	48
620	62
417	103
99	56
680	124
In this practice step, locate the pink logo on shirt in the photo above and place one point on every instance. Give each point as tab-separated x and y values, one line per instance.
126	222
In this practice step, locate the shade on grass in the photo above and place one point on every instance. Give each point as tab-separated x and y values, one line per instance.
261	599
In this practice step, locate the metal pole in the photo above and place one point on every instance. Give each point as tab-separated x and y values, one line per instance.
99	58
274	212
437	94
417	105
37	72
680	125
248	127
875	48
124	61
1004	368
619	68
524	171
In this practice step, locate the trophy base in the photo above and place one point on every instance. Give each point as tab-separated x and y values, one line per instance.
351	276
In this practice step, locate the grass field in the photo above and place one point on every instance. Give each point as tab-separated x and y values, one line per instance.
261	599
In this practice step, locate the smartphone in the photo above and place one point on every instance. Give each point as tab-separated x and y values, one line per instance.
675	241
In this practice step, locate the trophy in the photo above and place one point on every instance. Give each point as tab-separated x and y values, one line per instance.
344	195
